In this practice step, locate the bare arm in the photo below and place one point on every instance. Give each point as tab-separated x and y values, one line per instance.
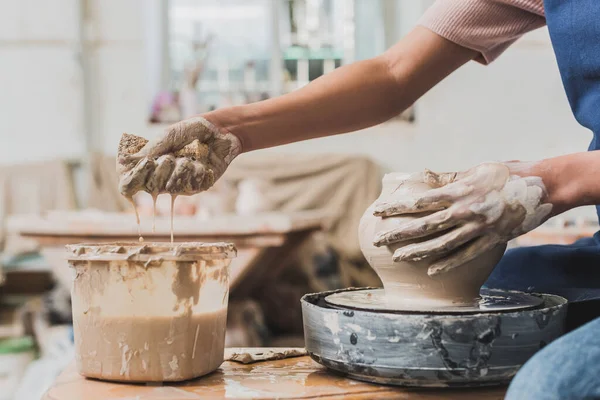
352	97
571	180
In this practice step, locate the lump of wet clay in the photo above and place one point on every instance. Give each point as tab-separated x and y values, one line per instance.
184	172
131	144
407	284
254	355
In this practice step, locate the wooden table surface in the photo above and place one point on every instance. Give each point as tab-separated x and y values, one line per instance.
292	378
263	240
92	223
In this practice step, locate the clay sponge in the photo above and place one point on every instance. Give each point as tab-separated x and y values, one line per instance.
184	172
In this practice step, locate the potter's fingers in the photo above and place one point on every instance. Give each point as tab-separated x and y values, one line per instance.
157	182
197	178
463	255
188	177
208	179
439	246
133	181
408	205
176	137
418	227
431	200
436	180
125	161
180	180
215	168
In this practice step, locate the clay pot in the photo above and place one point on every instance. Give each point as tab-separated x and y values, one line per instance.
407	284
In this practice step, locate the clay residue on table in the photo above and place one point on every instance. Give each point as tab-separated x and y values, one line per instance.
294	378
254	355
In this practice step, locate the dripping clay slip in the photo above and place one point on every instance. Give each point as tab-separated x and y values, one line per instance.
154	176
149	312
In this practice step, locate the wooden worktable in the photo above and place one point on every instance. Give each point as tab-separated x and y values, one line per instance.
59	226
292	378
263	240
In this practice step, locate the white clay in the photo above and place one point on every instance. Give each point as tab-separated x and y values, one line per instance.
470	213
407	283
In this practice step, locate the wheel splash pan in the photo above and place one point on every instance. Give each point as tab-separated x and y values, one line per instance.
428	350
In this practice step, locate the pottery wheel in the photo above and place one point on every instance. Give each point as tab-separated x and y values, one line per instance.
429	349
490	301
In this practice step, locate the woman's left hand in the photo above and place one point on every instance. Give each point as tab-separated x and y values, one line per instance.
471	213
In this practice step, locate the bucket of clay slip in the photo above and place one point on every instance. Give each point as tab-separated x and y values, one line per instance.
149	312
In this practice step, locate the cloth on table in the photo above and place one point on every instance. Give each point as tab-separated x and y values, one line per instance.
342	185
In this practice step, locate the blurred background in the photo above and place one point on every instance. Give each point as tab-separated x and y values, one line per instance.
76	74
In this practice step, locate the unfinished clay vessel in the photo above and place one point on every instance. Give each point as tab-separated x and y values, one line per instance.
407	284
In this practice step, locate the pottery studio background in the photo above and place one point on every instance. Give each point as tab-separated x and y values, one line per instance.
76	74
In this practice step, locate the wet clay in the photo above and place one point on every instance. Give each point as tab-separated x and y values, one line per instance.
150	348
173	197
179	173
407	283
137	218
472	212
154	198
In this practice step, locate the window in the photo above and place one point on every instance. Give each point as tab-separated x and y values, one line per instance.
234	52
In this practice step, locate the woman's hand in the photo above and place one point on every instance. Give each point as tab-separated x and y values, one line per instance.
188	158
471	213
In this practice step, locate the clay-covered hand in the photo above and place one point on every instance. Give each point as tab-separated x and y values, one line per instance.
188	158
469	213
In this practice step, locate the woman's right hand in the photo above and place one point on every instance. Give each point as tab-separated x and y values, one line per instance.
187	159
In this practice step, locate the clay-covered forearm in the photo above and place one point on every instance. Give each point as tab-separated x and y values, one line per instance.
350	98
571	180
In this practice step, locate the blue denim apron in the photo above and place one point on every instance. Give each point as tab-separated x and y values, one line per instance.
571	271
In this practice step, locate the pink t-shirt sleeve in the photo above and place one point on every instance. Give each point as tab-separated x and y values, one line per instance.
487	26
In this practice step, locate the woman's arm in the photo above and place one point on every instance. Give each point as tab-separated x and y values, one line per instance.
352	97
571	180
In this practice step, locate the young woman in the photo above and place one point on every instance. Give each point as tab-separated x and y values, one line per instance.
477	208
